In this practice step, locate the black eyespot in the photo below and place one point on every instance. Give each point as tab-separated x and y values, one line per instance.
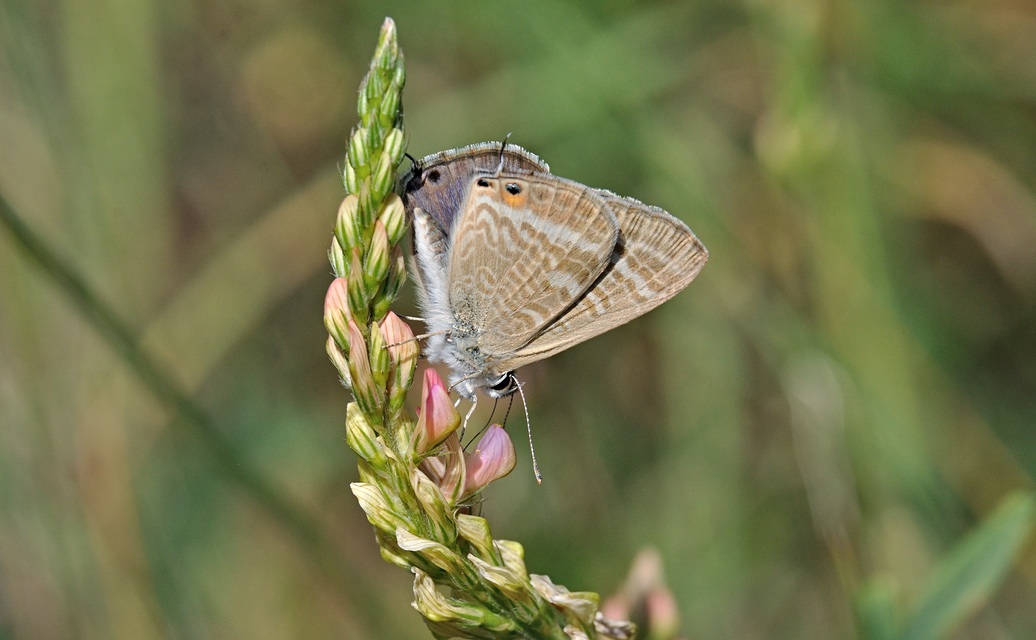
482	182
434	176
513	188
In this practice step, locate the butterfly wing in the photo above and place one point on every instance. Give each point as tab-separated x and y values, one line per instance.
656	258
523	250
438	183
428	266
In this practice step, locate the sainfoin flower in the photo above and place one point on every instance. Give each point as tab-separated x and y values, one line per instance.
492	459
438	418
403	351
646	596
365	391
460	475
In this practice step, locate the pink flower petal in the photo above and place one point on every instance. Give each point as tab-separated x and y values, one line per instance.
493	459
438	417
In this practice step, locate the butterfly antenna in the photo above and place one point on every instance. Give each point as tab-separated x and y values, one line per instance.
528	427
503	147
420	337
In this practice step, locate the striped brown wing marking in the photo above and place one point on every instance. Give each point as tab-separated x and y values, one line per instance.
518	261
659	256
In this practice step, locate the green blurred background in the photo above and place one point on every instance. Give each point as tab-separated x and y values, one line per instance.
846	391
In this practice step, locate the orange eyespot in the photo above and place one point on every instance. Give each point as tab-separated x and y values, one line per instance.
514	194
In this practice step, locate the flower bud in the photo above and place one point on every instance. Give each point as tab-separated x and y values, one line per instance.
391	286
340	360
368	204
403	350
347	228
364	389
387	50
356	289
399	77
357	156
376	134
336	312
399	339
378	258
395	279
374	85
363	108
336	256
389	107
379	359
493	459
351	179
395	146
393	216
438	417
383	176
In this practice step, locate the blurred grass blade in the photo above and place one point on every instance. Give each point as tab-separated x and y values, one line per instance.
968	577
875	612
228	461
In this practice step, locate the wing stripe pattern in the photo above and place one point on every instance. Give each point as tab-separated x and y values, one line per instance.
516	263
657	257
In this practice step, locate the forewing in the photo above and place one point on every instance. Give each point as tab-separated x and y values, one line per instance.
437	183
519	260
657	257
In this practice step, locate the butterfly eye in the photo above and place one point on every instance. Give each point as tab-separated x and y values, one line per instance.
513	188
482	182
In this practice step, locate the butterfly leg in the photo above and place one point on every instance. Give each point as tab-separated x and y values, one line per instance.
467	416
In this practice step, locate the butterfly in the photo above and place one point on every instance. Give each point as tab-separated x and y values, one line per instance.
514	264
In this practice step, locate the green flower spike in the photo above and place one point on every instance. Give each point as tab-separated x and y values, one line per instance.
416	483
